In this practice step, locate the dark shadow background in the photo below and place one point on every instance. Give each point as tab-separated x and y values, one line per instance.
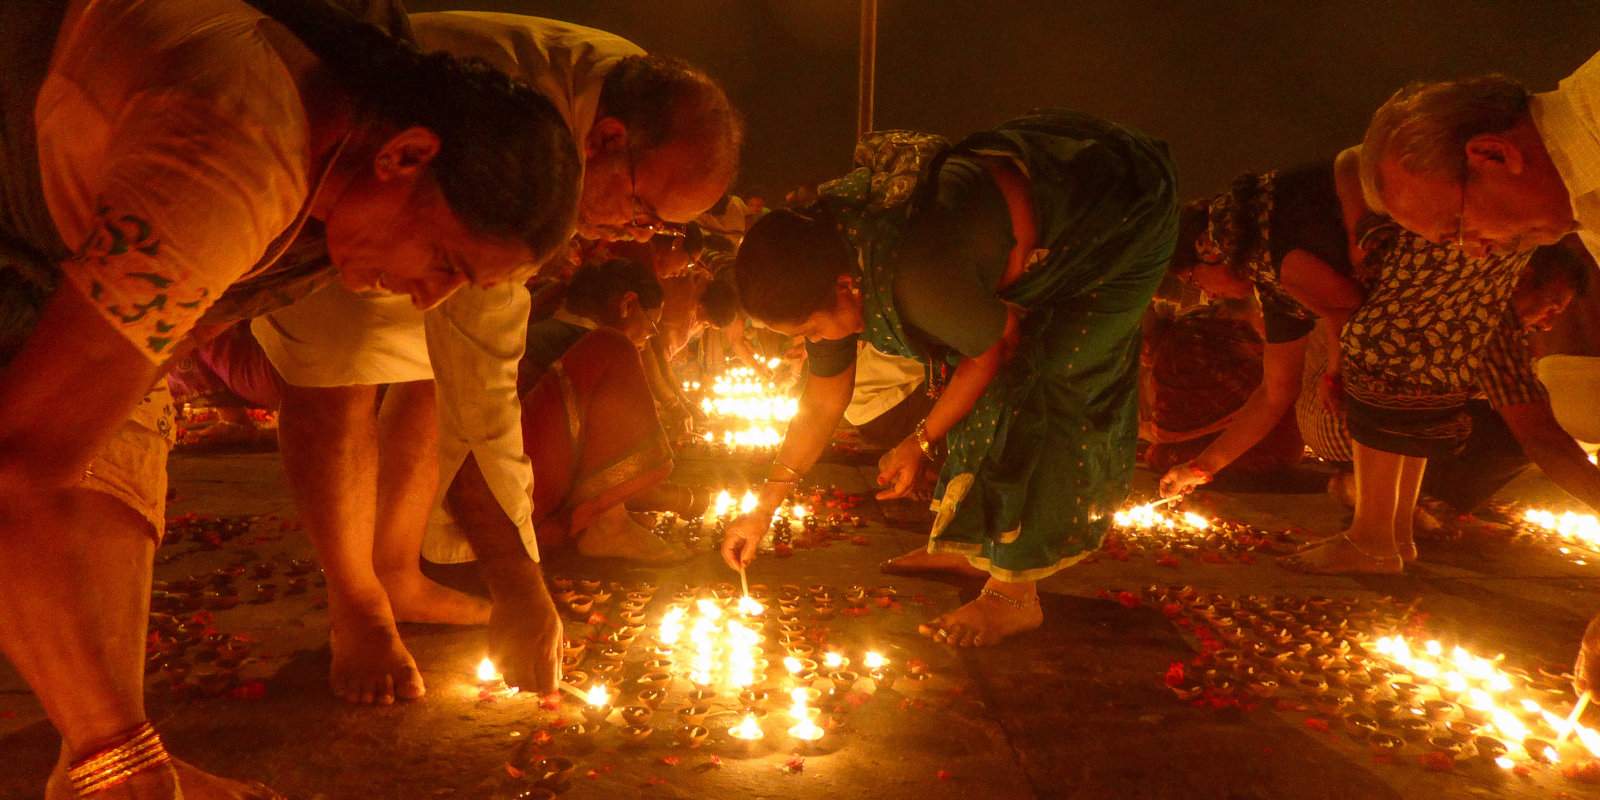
1231	84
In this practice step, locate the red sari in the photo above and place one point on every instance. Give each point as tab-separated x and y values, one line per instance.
589	426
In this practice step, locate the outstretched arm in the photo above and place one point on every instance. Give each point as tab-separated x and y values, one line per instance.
898	468
1280	387
822	405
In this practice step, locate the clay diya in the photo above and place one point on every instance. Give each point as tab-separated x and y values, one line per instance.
1360	726
655	679
1489	748
636	715
692	736
1385	744
1438	710
1413	728
651	698
635	734
844	680
581	604
694	715
551	769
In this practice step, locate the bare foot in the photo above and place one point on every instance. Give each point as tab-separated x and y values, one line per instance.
177	780
994	616
614	534
1340	556
370	663
414	598
920	560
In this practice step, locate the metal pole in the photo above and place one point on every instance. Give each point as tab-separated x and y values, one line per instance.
868	66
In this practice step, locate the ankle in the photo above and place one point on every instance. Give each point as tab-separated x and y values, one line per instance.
1016	590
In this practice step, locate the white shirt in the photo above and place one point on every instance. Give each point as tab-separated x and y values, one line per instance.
476	337
1568	120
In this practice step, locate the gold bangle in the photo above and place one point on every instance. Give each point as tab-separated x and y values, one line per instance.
922	441
142	751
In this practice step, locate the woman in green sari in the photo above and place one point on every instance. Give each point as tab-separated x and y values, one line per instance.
1016	266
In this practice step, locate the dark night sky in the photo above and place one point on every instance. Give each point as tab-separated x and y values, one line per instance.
1230	84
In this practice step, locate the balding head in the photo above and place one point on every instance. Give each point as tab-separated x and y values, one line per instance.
664	148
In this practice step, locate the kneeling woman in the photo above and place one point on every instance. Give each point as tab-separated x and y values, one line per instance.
1017	271
589	420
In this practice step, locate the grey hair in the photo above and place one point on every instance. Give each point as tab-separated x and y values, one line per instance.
1426	126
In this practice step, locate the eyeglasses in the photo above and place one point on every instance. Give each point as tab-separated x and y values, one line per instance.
642	218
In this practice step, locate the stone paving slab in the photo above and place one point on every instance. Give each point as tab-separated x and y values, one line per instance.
1078	710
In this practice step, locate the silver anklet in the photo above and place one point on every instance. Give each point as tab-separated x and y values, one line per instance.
1010	601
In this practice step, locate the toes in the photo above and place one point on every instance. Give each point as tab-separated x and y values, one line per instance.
410	686
385	691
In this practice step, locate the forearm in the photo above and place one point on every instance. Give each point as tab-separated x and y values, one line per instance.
496	540
1251	423
971	379
822	405
1567	466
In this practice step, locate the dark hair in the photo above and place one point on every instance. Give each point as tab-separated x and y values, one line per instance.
507	164
1192	217
788	265
662	99
719	303
1558	263
595	289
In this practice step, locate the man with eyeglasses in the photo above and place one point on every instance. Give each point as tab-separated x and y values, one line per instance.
1488	165
442	457
1483	163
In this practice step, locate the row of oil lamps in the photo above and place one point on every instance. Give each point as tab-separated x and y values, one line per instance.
749	412
1328	652
717	643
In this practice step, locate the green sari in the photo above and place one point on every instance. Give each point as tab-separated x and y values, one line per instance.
1045	456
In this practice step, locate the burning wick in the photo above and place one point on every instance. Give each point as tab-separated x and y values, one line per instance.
749	606
486	671
793	665
833	660
598	696
747	729
874	661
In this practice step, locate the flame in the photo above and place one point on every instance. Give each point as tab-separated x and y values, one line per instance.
874	660
486	671
833	660
1504	763
598	695
805	730
722	505
747	729
799	512
793	665
750	607
671	626
749	502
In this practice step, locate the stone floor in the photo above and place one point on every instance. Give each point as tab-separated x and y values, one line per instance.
1077	710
